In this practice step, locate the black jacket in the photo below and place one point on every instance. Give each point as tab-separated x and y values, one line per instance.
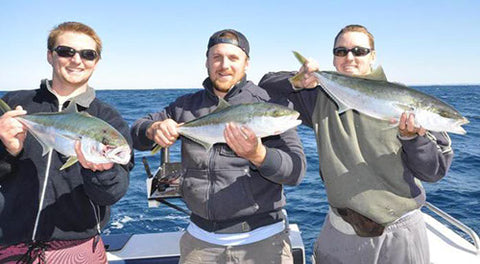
218	185
76	200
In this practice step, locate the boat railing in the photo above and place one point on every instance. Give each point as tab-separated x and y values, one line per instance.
450	219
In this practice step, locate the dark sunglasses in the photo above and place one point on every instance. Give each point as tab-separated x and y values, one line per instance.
67	52
356	51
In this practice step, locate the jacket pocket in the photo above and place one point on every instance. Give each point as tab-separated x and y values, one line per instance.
226	151
232	195
194	190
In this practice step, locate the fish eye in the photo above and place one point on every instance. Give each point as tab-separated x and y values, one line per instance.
105	141
277	113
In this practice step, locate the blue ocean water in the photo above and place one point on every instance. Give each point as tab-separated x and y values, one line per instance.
458	193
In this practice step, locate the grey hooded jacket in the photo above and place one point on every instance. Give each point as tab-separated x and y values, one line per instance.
218	185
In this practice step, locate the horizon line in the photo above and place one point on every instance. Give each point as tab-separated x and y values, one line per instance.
186	88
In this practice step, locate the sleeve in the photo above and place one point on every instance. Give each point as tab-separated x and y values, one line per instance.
281	91
428	157
107	187
139	130
7	161
285	161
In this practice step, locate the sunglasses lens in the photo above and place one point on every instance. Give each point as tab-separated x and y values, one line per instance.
340	52
360	51
88	54
64	51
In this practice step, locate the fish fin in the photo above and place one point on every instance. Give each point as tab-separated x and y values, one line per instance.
45	147
4	107
377	75
72	160
342	108
222	104
71	108
205	144
405	108
155	149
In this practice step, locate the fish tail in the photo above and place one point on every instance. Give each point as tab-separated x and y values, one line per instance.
299	57
299	76
4	107
156	149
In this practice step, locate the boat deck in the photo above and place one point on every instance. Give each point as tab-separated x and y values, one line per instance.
164	247
446	246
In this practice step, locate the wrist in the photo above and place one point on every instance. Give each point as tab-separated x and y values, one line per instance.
259	156
14	153
150	131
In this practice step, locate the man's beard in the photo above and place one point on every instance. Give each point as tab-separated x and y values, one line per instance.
225	86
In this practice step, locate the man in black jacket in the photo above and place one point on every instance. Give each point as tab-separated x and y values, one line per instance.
47	214
234	190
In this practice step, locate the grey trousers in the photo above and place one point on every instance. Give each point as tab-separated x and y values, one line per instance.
404	242
275	249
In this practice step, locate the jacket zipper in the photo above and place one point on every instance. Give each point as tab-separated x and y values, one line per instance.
96	209
210	192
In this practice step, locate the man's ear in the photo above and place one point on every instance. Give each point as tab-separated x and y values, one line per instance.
50	57
374	57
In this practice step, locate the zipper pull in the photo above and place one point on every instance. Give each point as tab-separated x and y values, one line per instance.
96	239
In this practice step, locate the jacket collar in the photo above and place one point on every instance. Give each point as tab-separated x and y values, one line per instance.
83	99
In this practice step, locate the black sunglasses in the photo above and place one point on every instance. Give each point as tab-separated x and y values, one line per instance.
68	52
356	51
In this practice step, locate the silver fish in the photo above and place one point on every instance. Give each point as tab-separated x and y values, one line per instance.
100	142
265	119
374	96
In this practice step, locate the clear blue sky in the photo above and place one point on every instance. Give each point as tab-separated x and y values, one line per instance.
162	44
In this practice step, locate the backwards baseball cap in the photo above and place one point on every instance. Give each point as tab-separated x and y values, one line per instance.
229	36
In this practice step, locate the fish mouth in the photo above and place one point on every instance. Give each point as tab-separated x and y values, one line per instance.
457	126
463	121
120	155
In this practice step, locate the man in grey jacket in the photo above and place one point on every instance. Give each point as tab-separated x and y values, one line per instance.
371	174
234	190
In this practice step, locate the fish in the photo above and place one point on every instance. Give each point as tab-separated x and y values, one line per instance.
374	96
100	142
265	119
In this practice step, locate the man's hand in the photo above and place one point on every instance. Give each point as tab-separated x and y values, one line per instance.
305	78
12	132
164	133
407	128
245	143
89	165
